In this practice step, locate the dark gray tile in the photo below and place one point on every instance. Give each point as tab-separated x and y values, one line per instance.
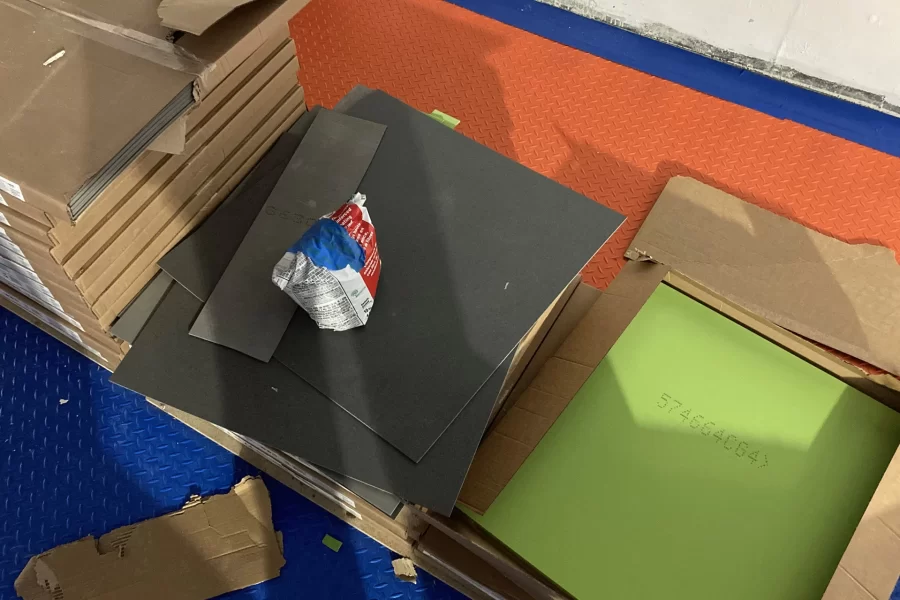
199	260
267	402
474	248
246	311
135	316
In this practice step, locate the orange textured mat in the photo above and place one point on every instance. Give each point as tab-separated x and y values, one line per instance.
607	131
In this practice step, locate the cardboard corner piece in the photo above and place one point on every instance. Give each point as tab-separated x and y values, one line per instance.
210	547
195	16
845	296
173	138
404	569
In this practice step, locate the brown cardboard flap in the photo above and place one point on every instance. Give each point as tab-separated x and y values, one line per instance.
172	139
868	570
229	42
532	342
195	16
210	547
846	296
576	344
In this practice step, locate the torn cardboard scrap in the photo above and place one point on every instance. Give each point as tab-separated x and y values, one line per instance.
404	569
209	547
846	296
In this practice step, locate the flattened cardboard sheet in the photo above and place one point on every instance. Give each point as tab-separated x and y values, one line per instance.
195	16
199	260
267	402
474	247
846	296
210	547
246	311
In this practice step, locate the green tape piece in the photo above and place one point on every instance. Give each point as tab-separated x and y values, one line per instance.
699	460
444	118
332	543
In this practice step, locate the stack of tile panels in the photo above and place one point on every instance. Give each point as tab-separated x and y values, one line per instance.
73	279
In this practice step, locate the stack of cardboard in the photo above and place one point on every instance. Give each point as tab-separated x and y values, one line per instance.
121	144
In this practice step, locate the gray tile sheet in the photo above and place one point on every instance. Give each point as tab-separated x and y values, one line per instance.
246	311
199	260
474	248
135	316
267	402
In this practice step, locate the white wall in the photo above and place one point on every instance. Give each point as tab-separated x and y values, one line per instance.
853	43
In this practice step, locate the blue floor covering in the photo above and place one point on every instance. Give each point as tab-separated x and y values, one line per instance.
82	456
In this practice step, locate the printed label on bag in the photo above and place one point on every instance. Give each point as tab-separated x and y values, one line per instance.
11	187
3	200
4	220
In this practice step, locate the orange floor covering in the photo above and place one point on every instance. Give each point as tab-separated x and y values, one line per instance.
609	132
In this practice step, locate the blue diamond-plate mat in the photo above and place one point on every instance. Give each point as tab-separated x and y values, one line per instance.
81	456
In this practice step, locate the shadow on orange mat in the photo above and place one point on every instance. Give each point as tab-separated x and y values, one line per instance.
607	131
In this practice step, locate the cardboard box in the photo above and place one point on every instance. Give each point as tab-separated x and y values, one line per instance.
845	296
871	564
119	75
537	406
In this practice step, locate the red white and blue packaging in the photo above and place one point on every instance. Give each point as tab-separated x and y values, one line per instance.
332	271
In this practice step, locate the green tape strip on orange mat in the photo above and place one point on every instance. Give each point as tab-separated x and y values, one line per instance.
698	461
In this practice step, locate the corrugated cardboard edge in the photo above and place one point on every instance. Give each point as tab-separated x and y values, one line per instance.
240	535
531	343
870	565
231	40
581	339
846	296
